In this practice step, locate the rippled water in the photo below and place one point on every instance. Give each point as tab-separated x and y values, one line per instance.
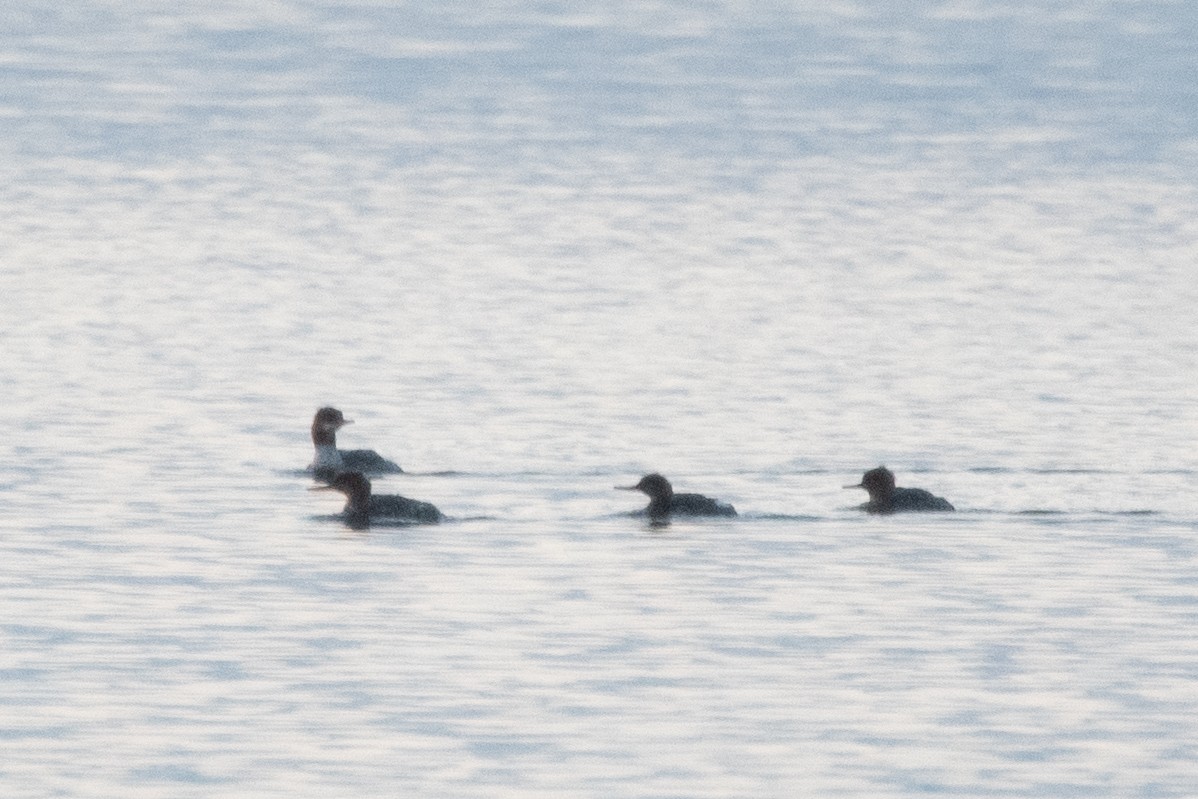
536	251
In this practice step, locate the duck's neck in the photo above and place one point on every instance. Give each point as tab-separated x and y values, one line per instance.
324	434
327	457
357	506
659	507
881	495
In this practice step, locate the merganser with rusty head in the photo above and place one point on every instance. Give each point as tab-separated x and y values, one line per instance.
885	497
663	502
330	461
363	508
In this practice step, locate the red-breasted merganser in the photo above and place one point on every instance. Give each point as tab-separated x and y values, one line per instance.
330	461
362	508
884	497
663	501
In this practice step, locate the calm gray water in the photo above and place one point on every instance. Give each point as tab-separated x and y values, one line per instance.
537	250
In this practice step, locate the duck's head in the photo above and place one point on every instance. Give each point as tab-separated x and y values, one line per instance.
878	482
656	486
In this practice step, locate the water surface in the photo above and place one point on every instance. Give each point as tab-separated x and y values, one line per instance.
536	252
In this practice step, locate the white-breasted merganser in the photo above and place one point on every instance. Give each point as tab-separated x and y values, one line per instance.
330	461
884	497
362	507
663	502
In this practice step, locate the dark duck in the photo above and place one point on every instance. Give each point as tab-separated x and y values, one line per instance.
885	497
330	461
363	508
664	503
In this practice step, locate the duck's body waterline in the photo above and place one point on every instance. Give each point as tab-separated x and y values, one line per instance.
886	497
330	464
330	461
664	503
362	508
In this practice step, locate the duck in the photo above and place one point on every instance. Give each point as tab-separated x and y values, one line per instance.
885	497
363	508
330	461
663	502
